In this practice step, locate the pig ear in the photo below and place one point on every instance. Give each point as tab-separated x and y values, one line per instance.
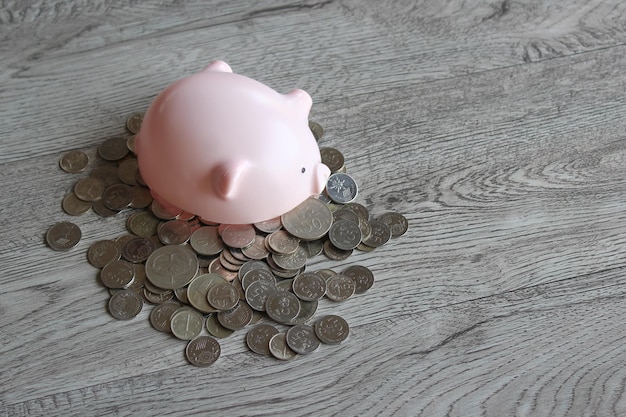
227	178
218	66
301	99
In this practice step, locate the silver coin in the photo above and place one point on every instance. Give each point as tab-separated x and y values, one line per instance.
74	161
345	235
63	236
332	329
363	278
250	265
258	338
117	274
340	287
316	129
309	286
302	339
214	327
341	188
171	267
396	222
186	323
203	351
279	349
381	233
125	304
137	249
291	261
161	316
223	296
102	252
332	158
310	220
282	306
257	293
174	232
307	311
236	318
238	235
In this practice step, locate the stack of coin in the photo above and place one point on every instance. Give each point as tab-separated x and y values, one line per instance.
221	278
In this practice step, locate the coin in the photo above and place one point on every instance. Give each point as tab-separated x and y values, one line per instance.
340	287
117	274
269	226
198	290
363	278
102	252
341	188
164	212
282	242
161	316
171	267
181	295
302	339
89	188
101	210
236	318
307	311
206	241
203	351
157	298
174	232
292	261
316	129
222	296
215	267
141	197
113	149
186	323
257	275
125	304
332	158
257	249
74	161
127	171
130	144
345	214
117	196
396	222
257	292
250	265
381	233
312	247
106	173
332	329
334	253
309	286
279	349
238	235
285	285
214	327
74	206
310	220
142	223
133	123
137	249
140	277
63	236
344	234
282	307
258	338
358	209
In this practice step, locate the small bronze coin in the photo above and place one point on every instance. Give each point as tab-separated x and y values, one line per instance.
332	158
125	304
133	123
203	351
102	252
63	236
74	161
117	196
316	129
74	206
396	222
113	149
161	316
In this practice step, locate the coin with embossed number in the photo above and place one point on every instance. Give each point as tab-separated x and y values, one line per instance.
74	161
291	261
340	287
282	242
310	220
203	351
345	235
332	329
257	293
186	323
381	233
125	304
223	296
258	338
137	249
63	236
282	306
309	286
341	188
363	278
302	339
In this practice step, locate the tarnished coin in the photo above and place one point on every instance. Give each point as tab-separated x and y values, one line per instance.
340	287
140	277
282	242
238	235
335	253
102	252
257	275
282	307
223	296
74	206
164	212
101	210
74	161
137	249
257	249
203	351
141	197
89	188
236	318
250	265
316	129
256	293
309	286
63	236
142	223
332	158
127	171
381	233
161	316
396	222
292	261
113	149
310	220
206	241
345	235
198	291
171	267
133	123
341	188
332	329
279	349
269	226
125	304
345	214
117	274
214	327
325	273
258	338
174	232
117	196
363	278
186	323
302	339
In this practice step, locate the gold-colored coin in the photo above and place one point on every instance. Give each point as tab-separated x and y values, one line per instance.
133	123
74	206
74	161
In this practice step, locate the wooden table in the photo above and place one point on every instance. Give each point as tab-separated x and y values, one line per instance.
495	127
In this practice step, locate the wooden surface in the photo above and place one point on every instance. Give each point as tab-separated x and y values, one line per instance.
495	127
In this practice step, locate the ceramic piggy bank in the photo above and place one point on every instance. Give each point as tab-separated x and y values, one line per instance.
229	149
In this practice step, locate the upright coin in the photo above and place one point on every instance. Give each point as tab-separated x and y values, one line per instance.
345	235
279	348
309	286
223	296
113	149
74	161
186	323
171	267
340	287
133	123
125	304
332	329
341	188
282	307
363	278
203	351
332	158
258	338
102	252
198	291
63	236
316	129
396	222
161	316
310	220
302	339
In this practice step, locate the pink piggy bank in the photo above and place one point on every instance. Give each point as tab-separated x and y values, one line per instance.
229	149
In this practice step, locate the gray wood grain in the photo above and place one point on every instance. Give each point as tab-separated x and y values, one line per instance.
495	127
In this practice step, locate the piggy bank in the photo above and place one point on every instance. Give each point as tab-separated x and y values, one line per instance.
228	148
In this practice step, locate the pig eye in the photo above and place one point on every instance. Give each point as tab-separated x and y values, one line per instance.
303	169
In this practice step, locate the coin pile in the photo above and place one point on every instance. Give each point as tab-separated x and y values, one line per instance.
220	278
